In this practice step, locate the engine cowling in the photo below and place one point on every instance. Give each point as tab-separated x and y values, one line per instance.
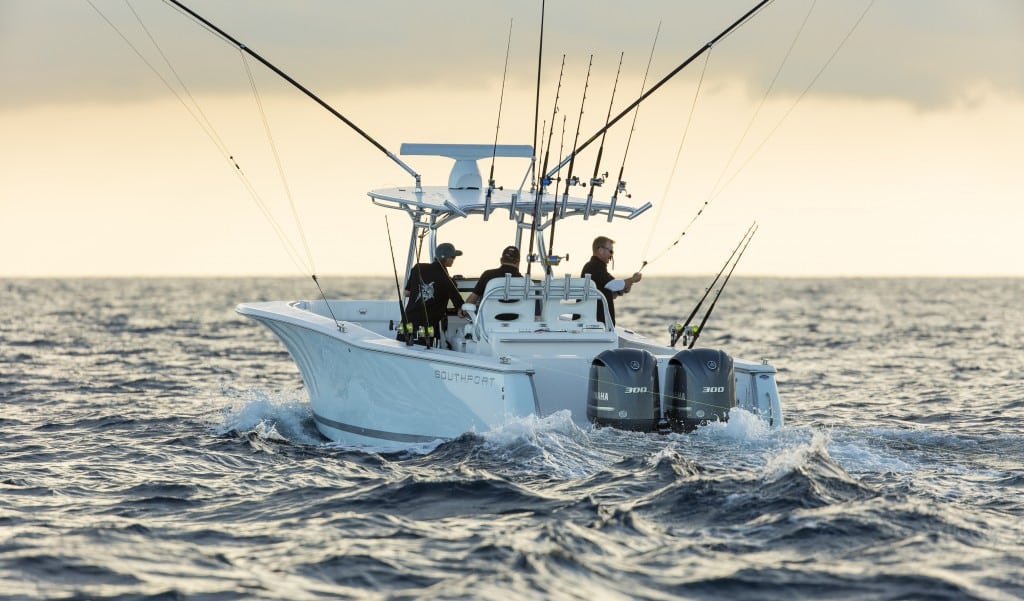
700	387
624	391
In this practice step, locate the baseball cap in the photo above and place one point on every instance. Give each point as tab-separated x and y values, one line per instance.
511	253
446	250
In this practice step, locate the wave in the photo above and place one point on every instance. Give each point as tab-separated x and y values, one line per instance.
279	418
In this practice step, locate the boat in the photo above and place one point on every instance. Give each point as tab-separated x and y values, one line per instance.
532	345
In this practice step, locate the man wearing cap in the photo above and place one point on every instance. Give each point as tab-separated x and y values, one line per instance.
509	265
609	285
430	289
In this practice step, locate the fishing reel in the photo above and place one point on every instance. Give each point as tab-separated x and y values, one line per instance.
598	181
621	188
678	330
405	333
421	334
548	260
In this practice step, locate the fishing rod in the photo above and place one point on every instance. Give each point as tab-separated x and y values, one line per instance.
596	181
536	118
620	186
536	99
327	303
300	87
552	258
700	328
570	179
672	174
543	180
677	330
663	81
497	127
405	328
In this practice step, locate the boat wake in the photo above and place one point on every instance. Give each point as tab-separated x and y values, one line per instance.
555	445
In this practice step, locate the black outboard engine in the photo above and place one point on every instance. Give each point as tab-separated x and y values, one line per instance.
623	391
700	387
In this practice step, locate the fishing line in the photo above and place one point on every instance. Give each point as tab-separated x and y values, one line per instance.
242	47
672	174
771	132
277	161
204	122
799	98
795	102
195	111
764	98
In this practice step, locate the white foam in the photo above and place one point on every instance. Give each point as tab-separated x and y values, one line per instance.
279	417
533	428
554	444
742	425
792	458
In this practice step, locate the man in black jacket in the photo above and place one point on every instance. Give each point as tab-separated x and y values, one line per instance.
430	289
509	265
597	267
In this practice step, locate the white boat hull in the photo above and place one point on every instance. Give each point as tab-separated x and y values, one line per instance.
365	388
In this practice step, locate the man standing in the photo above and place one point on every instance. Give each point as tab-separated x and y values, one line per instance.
597	268
509	265
430	289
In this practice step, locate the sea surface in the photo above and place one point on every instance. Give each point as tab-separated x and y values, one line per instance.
155	445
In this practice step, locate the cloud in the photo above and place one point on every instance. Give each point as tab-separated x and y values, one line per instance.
928	53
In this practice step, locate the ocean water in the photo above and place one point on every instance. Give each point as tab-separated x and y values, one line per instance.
154	445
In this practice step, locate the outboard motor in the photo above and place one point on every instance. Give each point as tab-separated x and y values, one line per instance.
623	391
700	387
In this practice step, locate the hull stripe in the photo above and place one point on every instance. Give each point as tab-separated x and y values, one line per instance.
371	433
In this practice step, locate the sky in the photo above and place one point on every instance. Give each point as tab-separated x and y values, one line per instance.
880	138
